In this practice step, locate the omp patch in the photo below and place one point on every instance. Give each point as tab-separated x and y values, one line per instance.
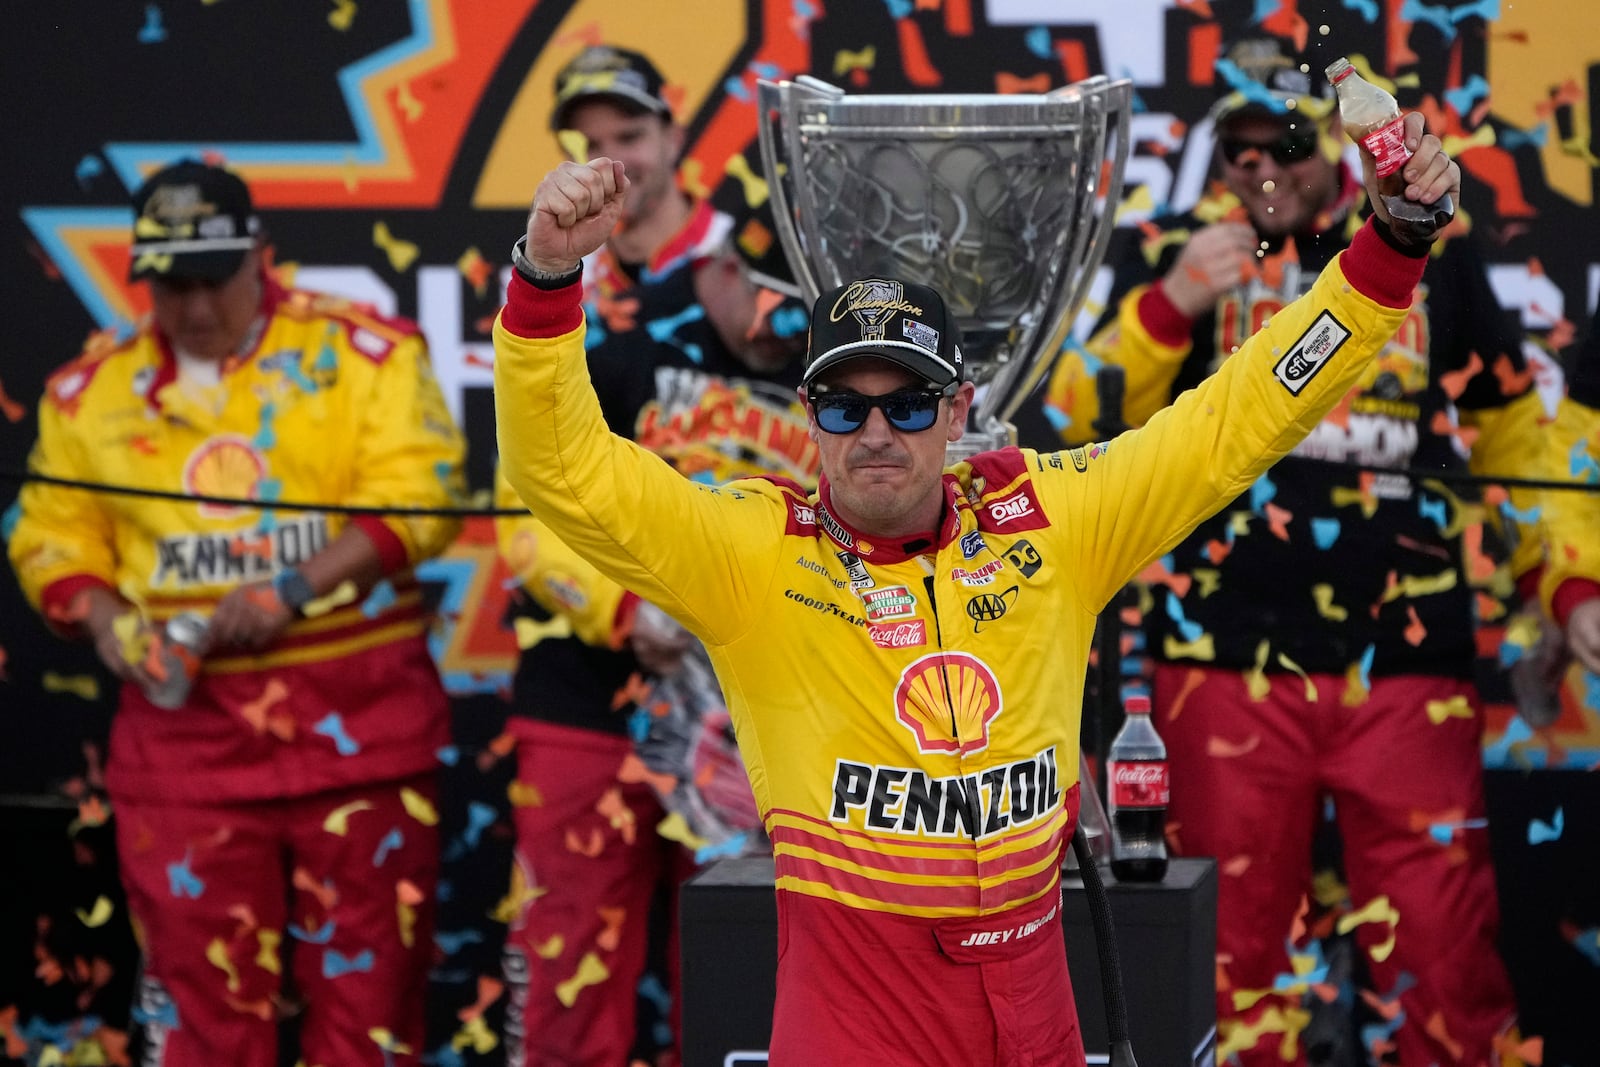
1311	352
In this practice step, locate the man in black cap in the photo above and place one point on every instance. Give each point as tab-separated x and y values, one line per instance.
1315	629
612	102
903	650
272	763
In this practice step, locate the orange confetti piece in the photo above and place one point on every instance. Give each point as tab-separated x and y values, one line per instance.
1005	82
1278	521
634	691
589	846
919	69
1454	382
476	270
1513	382
1437	1030
406	892
1235	867
610	937
13	411
1074	63
633	770
1416	633
324	893
489	990
1218	748
255	711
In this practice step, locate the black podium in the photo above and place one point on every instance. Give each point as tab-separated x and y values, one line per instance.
1167	935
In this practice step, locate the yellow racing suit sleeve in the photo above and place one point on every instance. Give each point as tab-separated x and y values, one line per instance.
62	535
1140	495
410	453
560	580
1571	517
703	554
1150	365
1511	443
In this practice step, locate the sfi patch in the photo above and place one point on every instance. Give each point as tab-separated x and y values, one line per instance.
1311	352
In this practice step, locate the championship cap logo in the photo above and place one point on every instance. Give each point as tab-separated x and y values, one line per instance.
946	693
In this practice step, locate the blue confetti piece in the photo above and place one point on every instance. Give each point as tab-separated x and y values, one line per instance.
320	936
1367	8
453	941
729	847
1510	653
1587	942
1038	41
165	1013
803	10
88	169
652	989
331	726
1527	518
392	840
1445	832
1190	630
639	725
335	964
1437	510
1434	15
1581	465
1059	420
1366	666
594	334
449	755
444	470
1317	973
444	1056
734	87
1464	97
1262	492
266	438
182	881
662	1032
379	600
1252	91
9	520
1499	753
152	32
769	71
480	817
1324	532
662	329
789	321
900	9
1511	138
1540	831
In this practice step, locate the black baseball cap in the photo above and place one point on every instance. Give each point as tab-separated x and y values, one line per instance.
902	322
621	77
1266	75
192	220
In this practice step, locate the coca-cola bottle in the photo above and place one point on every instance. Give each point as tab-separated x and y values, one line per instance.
1136	771
1372	119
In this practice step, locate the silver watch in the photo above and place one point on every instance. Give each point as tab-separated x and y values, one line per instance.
543	278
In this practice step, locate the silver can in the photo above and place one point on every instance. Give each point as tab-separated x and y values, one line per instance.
184	643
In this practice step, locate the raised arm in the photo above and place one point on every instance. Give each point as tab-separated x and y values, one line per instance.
694	550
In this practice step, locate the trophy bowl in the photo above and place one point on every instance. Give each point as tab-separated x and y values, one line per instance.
1003	203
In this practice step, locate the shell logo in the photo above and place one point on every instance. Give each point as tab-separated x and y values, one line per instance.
948	700
226	465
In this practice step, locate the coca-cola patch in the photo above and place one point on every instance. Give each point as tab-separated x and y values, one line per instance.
910	634
1140	785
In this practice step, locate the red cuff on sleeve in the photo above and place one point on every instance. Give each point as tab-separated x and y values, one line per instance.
56	601
391	550
622	623
1571	593
537	313
1528	584
1378	272
1161	317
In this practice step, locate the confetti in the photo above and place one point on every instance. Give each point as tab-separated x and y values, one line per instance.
342	15
337	821
418	806
153	31
336	965
590	972
1540	832
401	254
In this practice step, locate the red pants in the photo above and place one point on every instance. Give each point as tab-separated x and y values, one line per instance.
860	988
1249	779
247	911
589	865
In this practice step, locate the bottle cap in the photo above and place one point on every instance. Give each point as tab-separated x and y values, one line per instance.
1137	704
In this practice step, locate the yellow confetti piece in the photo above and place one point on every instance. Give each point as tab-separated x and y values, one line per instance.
99	914
406	919
51	1056
1344	496
344	593
1154	247
551	948
131	635
476	1035
1236	1036
217	956
1239	523
401	253
1382	949
590	972
691	179
1322	593
518	897
342	15
524	795
1255	679
418	807
338	820
530	632
574	144
1482	137
1207	579
1203	648
1523	630
675	828
1327	890
1140	200
267	942
1290	665
79	685
1355	690
1457	707
384	1038
410	106
1377	910
1578	145
1413	586
844	60
755	186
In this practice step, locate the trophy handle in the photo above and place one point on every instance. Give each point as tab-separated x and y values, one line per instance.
772	131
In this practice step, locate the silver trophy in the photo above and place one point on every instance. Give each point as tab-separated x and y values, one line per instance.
1003	203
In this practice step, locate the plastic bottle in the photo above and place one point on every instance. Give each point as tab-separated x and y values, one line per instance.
1372	118
1136	770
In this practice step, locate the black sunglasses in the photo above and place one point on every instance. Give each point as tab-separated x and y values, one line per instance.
908	410
1295	146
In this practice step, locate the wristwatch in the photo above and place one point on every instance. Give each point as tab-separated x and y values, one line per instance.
541	279
293	590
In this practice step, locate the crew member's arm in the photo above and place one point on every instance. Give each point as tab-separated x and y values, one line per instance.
1150	334
63	548
1570	588
1153	485
409	455
701	553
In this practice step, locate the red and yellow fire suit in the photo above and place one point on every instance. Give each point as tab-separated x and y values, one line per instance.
320	747
908	713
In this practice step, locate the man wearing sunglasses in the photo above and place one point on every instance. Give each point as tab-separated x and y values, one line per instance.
903	649
1314	622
